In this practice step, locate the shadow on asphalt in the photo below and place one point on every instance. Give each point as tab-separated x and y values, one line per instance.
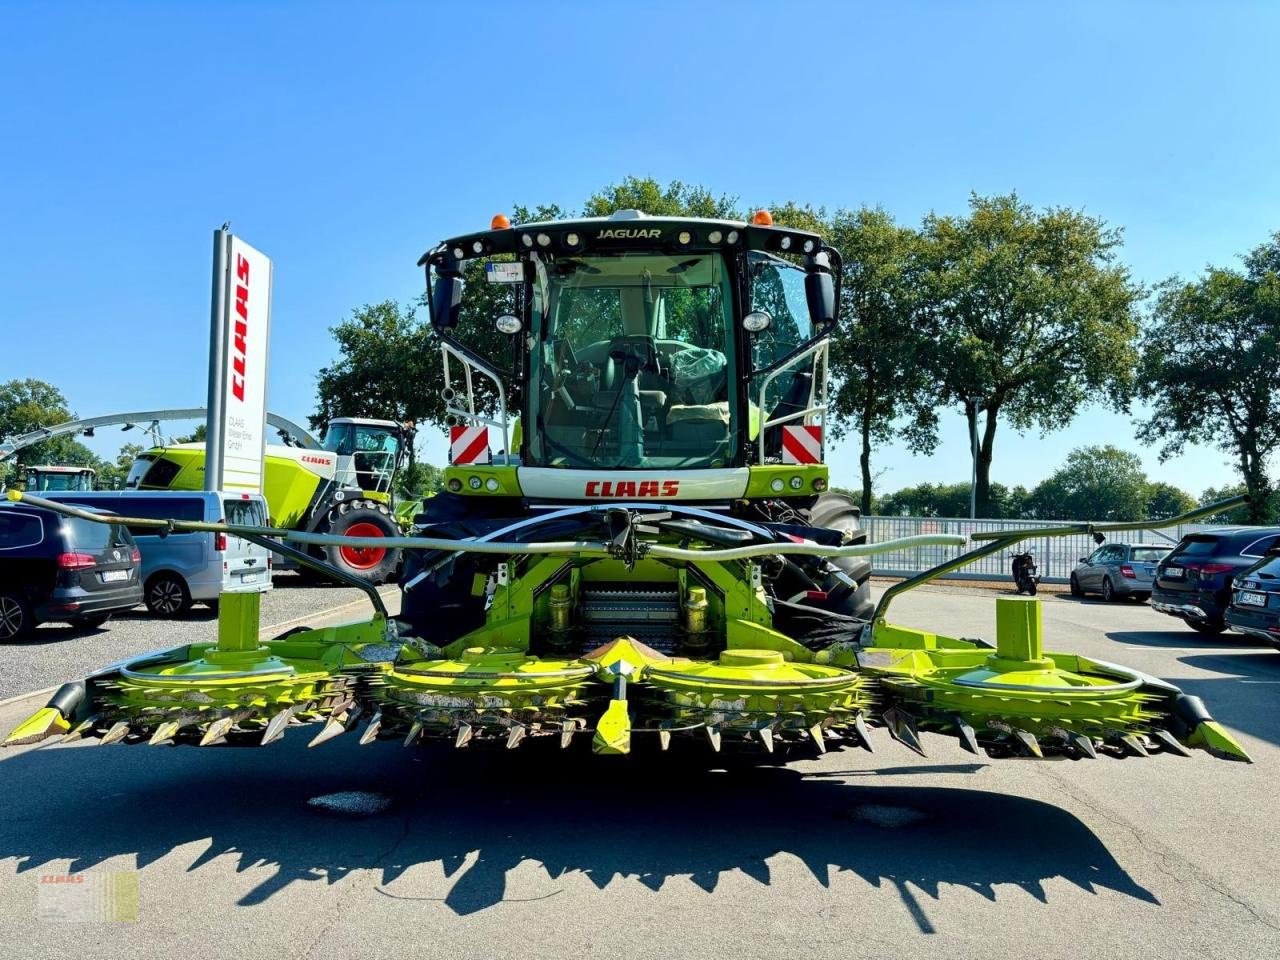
1185	638
479	816
1245	694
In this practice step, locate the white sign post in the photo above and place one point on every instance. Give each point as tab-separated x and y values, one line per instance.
236	434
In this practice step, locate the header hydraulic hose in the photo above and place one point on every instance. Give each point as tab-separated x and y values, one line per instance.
599	548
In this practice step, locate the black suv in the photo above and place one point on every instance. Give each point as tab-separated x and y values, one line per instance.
1194	581
63	569
1255	600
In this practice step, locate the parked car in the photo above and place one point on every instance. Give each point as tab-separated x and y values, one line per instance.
1118	570
1255	600
1194	581
63	570
179	569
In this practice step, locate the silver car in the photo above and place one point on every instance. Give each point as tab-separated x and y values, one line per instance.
1118	570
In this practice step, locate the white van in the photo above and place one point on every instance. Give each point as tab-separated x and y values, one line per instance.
179	569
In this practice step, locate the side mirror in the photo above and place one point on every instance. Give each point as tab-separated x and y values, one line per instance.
1082	560
820	291
446	301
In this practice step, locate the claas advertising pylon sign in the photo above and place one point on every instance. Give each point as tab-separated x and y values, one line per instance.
235	443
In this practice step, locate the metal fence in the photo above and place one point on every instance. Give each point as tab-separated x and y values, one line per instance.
1055	556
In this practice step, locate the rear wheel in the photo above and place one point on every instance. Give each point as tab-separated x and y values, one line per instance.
167	595
16	620
1108	591
1211	629
363	518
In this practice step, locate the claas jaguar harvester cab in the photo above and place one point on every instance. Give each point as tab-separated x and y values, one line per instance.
637	549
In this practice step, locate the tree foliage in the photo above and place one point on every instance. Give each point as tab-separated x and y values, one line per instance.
1032	315
1096	483
880	358
27	404
1209	368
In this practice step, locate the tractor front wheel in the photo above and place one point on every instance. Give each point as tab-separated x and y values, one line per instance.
369	519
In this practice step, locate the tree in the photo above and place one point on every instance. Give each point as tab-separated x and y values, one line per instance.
1218	494
196	436
388	368
880	357
1095	483
677	199
1164	500
28	404
1209	368
1031	315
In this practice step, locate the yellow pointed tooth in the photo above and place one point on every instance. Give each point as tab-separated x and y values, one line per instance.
515	736
464	735
276	727
119	730
766	737
45	722
567	730
713	735
371	731
217	731
414	731
333	727
164	733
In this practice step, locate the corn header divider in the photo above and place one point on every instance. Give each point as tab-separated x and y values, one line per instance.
523	675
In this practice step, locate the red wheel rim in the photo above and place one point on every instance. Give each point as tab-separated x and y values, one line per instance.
363	558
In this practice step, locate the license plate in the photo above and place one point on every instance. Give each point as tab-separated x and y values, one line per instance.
253	576
1253	599
111	576
1174	573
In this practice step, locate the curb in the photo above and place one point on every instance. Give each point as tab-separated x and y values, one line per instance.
26	696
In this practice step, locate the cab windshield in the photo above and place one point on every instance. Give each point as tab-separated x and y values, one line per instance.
632	362
367	454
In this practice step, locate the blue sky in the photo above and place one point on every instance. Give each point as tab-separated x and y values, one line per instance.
344	140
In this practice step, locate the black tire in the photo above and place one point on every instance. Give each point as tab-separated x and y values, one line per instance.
91	622
372	566
166	595
1076	590
16	618
1209	629
1142	597
837	511
1032	586
1108	591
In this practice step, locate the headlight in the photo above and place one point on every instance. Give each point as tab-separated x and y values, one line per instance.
475	483
776	485
797	483
492	485
454	485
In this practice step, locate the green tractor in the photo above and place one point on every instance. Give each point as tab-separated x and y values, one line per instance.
637	550
41	479
346	488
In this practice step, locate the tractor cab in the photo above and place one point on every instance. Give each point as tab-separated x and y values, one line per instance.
642	357
45	479
368	452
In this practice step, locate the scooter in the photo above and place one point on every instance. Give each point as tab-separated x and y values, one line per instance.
1025	577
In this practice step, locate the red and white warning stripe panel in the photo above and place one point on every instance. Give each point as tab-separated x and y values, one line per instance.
468	445
801	444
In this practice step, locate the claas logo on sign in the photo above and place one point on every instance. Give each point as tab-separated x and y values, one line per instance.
241	328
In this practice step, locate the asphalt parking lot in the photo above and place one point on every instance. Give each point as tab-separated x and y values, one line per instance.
547	855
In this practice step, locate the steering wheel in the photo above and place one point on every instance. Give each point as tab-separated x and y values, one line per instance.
639	353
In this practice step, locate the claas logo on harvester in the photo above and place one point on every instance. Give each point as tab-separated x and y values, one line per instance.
624	489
